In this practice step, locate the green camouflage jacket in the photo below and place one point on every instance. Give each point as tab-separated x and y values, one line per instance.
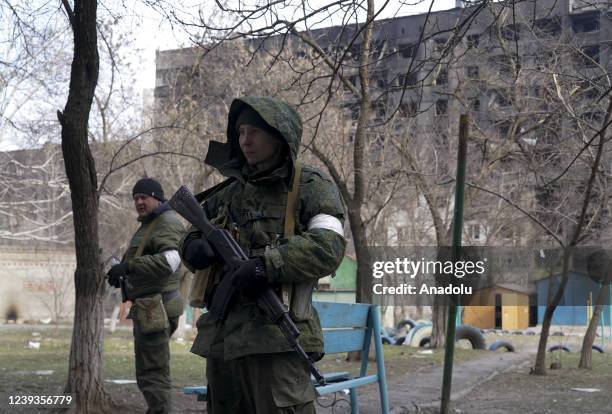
151	272
255	204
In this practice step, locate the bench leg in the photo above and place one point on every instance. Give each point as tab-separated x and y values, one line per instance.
354	404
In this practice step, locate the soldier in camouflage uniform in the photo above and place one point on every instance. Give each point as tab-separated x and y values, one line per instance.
150	273
250	367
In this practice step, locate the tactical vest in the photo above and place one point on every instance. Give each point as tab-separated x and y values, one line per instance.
259	217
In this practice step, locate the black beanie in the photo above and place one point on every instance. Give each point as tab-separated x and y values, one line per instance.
150	187
249	116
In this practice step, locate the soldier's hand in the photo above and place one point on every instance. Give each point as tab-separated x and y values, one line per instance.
198	253
251	278
116	272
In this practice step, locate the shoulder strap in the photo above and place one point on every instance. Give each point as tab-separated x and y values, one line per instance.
291	200
146	236
287	288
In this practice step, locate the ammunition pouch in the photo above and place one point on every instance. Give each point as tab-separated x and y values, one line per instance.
150	314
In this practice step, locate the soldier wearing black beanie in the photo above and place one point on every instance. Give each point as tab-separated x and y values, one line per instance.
150	187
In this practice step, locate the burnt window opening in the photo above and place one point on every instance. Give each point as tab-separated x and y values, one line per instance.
441	107
472	41
550	26
380	109
442	78
408	51
409	79
380	79
503	129
354	110
593	117
407	109
544	60
589	56
585	23
538	91
473	72
161	92
511	32
475	104
506	64
355	51
440	43
501	97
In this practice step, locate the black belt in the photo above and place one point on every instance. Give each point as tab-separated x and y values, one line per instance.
168	296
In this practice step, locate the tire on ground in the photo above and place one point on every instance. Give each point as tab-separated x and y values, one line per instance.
406	322
559	348
425	342
471	334
416	334
501	344
400	340
598	348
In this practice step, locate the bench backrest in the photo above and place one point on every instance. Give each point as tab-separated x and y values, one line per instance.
345	325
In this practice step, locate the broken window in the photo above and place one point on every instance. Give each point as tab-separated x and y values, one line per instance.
441	107
589	55
475	105
408	51
408	79
511	32
380	78
550	26
503	129
440	43
473	72
442	78
408	108
506	64
544	60
381	109
584	23
473	41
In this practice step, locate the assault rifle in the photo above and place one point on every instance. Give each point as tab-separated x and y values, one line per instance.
226	248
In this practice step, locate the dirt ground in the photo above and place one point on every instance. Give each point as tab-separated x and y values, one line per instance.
483	381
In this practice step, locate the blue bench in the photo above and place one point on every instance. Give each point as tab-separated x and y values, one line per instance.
346	327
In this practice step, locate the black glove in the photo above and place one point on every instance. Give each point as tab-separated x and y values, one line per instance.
116	272
251	278
198	253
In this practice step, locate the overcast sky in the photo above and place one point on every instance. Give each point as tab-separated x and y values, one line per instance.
160	36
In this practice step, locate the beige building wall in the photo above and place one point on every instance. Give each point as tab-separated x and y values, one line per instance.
36	283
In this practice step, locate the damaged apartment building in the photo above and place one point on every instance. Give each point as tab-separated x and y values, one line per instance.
529	74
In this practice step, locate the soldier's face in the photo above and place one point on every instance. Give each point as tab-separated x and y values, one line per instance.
145	204
257	145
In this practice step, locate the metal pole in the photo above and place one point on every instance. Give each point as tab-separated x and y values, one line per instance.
456	255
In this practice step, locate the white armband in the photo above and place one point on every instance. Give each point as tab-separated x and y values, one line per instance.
173	259
325	221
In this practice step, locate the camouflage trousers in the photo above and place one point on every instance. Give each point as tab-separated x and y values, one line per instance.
153	366
259	384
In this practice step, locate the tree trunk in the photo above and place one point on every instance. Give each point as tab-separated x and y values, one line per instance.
438	321
589	336
364	268
85	379
439	311
540	362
